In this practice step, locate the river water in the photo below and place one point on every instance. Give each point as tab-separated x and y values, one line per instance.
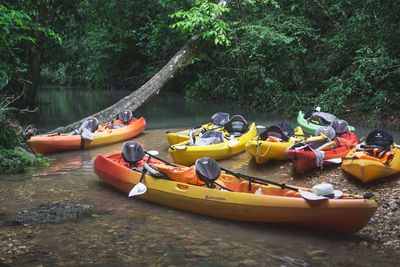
122	231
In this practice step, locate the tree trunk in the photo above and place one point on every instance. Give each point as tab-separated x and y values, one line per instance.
35	60
133	101
151	87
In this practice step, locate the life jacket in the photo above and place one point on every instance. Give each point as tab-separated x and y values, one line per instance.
374	153
182	174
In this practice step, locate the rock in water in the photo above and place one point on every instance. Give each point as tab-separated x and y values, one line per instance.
50	212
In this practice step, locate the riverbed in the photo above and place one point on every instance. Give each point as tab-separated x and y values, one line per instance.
129	231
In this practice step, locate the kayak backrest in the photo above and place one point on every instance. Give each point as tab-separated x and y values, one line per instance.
323	117
274	131
340	126
91	123
132	152
220	118
210	137
380	138
281	130
125	116
208	170
237	125
328	131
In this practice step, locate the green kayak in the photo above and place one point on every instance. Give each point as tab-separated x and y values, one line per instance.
309	127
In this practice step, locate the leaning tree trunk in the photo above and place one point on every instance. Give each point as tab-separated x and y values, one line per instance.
151	87
133	101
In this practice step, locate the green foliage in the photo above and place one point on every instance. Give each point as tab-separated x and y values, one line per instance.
204	19
8	137
13	32
342	56
13	161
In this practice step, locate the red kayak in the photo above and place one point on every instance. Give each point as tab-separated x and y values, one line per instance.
321	153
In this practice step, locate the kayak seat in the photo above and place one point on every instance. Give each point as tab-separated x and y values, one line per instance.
220	118
274	131
208	170
340	126
209	138
132	153
236	126
125	116
91	124
328	131
380	138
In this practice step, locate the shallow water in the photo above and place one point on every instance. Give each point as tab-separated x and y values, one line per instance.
129	231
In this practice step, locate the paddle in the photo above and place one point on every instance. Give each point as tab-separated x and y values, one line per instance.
140	188
259	180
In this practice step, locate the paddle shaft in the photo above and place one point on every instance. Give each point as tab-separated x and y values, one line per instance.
259	180
166	162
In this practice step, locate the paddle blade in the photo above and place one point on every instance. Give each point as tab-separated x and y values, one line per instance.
138	189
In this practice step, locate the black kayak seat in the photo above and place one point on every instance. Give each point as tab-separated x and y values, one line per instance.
340	126
91	123
380	138
220	118
214	134
236	126
132	152
282	131
328	131
125	116
208	170
323	117
274	131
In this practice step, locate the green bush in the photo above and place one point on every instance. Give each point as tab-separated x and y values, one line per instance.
8	137
13	161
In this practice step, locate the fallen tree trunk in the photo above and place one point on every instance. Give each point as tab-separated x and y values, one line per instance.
133	101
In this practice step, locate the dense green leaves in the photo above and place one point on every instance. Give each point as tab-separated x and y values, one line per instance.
342	56
204	19
275	56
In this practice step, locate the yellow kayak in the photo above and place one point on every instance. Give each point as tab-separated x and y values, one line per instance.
229	145
367	170
378	157
218	121
264	150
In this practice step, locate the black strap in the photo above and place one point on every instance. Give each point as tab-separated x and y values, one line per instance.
82	142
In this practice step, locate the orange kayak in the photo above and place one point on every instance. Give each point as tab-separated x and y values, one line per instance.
104	135
242	202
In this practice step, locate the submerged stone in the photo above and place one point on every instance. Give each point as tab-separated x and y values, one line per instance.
50	212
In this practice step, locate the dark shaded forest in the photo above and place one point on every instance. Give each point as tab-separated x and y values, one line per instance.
269	55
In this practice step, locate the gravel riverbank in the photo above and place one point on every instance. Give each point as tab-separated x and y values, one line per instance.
383	230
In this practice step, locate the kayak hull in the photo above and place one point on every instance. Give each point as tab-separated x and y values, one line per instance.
306	160
309	127
368	170
343	215
263	151
45	144
182	136
189	154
